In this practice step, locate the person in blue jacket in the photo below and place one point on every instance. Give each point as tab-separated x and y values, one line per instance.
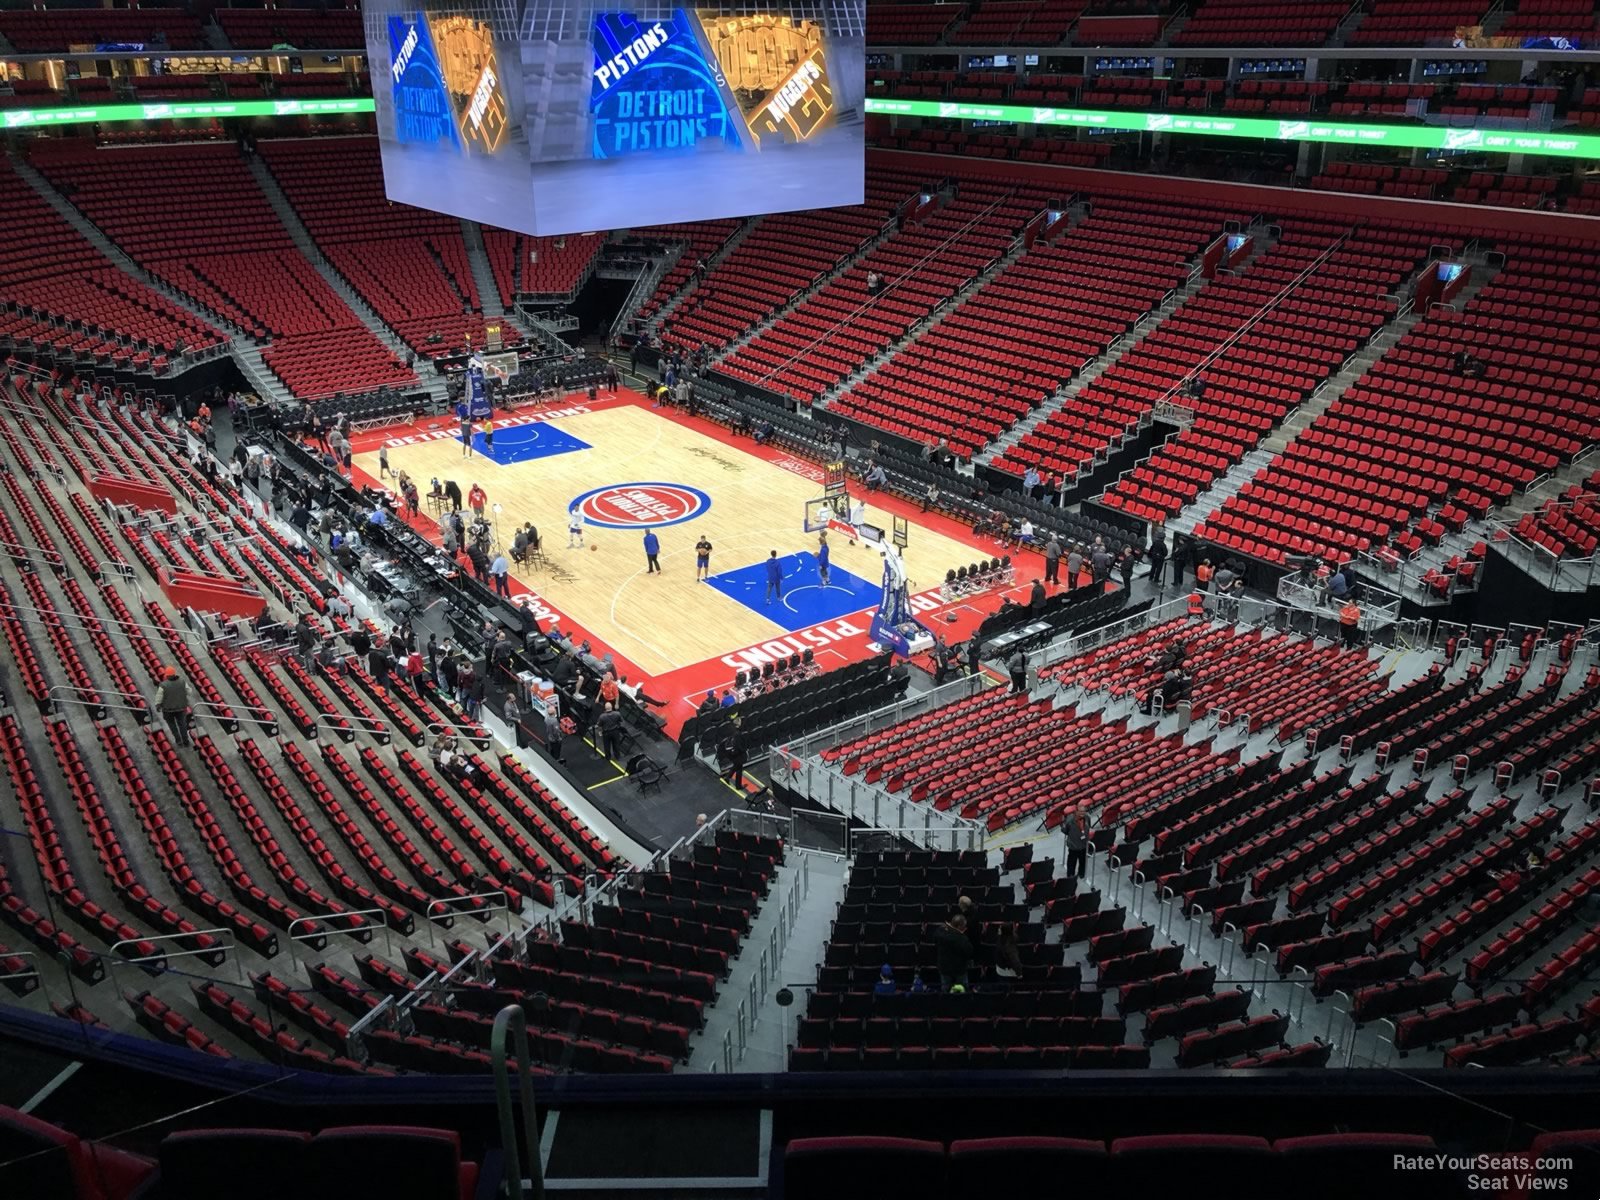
652	547
774	577
822	556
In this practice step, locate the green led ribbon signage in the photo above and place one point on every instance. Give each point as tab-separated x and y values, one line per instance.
1408	137
1421	137
36	118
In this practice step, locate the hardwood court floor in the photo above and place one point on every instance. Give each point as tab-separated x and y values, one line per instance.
661	622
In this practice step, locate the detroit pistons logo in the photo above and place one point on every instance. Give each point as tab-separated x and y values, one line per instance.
640	505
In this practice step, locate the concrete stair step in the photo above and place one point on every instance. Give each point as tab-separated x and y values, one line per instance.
482	271
1106	360
303	241
111	250
728	247
930	323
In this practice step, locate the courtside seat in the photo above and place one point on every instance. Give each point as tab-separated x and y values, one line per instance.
45	1161
896	1168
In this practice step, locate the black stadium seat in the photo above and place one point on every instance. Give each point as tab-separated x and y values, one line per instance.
243	1164
886	1168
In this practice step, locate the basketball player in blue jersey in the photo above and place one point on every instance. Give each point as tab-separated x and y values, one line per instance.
822	556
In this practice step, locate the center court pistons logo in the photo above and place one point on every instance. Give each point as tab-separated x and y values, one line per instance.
640	505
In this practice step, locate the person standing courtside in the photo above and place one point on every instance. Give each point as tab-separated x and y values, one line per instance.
609	727
1052	560
652	549
774	577
1158	558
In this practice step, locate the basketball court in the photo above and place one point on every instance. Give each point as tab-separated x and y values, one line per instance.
626	468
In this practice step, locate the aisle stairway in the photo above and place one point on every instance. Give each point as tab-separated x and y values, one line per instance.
1228	485
435	385
73	217
1085	378
768	1025
712	263
927	325
799	299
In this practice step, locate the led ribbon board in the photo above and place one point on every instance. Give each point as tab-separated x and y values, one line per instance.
1417	137
1425	137
107	114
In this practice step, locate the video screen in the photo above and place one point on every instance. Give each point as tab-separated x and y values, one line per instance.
569	116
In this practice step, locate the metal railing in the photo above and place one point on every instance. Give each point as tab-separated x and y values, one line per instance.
880	718
511	1025
475	736
764	976
113	959
329	919
444	913
644	285
1071	647
854	799
1379	607
347	725
1548	569
849	320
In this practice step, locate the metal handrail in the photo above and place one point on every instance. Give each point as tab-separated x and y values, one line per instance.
511	1021
213	708
846	321
342	724
478	741
81	695
32	973
52	555
71	620
353	1035
329	918
115	960
444	902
